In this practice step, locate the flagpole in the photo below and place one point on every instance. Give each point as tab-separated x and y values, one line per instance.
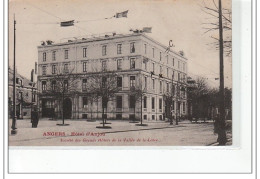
13	131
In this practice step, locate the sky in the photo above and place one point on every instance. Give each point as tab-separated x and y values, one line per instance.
178	20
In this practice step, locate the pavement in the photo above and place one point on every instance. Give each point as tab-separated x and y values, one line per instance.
121	133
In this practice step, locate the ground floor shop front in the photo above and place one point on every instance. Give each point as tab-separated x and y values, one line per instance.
121	106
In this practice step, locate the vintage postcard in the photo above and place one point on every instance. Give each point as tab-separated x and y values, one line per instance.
120	73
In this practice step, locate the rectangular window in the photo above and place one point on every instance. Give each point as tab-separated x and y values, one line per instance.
34	96
132	63
44	70
66	68
153	68
119	82
66	54
44	56
153	102
66	85
84	52
145	48
160	86
172	61
85	102
104	81
145	65
53	69
49	104
145	82
160	104
132	101
153	52
119	102
173	75
132	81
84	84
167	59
160	69
183	108
145	117
104	65
53	55
167	71
53	85
173	89
160	56
119	64
119	48
132	47
167	87
179	76
145	102
153	83
84	66
104	50
44	86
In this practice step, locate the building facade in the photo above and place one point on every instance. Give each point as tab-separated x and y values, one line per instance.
137	59
26	95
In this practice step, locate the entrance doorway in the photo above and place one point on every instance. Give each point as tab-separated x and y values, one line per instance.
67	108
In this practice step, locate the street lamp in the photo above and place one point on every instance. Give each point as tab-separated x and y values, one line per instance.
32	84
13	131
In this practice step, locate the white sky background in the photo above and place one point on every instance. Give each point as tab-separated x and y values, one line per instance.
177	20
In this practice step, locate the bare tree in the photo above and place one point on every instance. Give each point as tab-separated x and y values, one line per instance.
62	83
199	97
91	97
211	26
168	99
223	17
137	94
104	86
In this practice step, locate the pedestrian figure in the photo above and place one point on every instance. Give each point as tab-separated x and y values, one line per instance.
35	118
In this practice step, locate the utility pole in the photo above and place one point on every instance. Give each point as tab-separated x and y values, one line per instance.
178	98
13	131
221	121
171	112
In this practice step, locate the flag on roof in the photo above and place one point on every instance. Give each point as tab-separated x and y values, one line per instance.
147	29
121	14
67	23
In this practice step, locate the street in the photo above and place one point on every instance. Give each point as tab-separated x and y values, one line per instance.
122	133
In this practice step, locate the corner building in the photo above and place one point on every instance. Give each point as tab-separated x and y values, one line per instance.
136	58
